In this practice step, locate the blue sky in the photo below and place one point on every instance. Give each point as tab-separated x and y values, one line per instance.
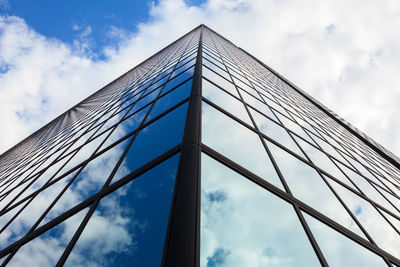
67	20
55	53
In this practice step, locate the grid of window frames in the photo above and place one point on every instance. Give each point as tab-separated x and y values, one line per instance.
329	200
199	156
75	192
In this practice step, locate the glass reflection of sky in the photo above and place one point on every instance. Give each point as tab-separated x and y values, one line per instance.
46	249
307	185
154	140
383	233
225	101
236	142
339	250
129	226
243	224
170	99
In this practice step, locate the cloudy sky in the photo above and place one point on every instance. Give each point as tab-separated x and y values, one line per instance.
346	54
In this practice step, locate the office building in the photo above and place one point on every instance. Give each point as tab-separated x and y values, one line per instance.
200	156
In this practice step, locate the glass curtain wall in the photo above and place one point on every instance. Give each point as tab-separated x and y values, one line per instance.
199	156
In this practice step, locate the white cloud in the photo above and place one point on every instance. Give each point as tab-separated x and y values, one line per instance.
344	54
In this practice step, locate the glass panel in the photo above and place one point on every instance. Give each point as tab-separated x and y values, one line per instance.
237	143
261	107
242	224
170	99
218	80
84	153
307	185
146	99
273	104
29	215
322	161
394	221
128	227
46	249
245	87
125	127
211	59
89	181
329	149
368	190
216	69
293	127
178	79
382	233
155	139
340	250
276	132
225	101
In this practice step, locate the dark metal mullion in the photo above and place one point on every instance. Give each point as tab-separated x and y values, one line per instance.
182	242
83	224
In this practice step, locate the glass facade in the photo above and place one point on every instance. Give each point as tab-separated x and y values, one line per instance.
200	156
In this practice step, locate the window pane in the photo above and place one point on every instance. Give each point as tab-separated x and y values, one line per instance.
322	161
182	76
293	127
126	127
216	69
276	132
237	143
155	139
221	82
368	190
242	224
307	185
373	222
225	101
128	227
170	99
46	249
340	250
88	182
261	107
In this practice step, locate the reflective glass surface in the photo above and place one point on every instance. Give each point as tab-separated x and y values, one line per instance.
153	140
221	82
332	173
322	161
237	143
274	131
170	99
128	227
379	229
307	185
46	249
225	101
339	250
243	224
88	182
